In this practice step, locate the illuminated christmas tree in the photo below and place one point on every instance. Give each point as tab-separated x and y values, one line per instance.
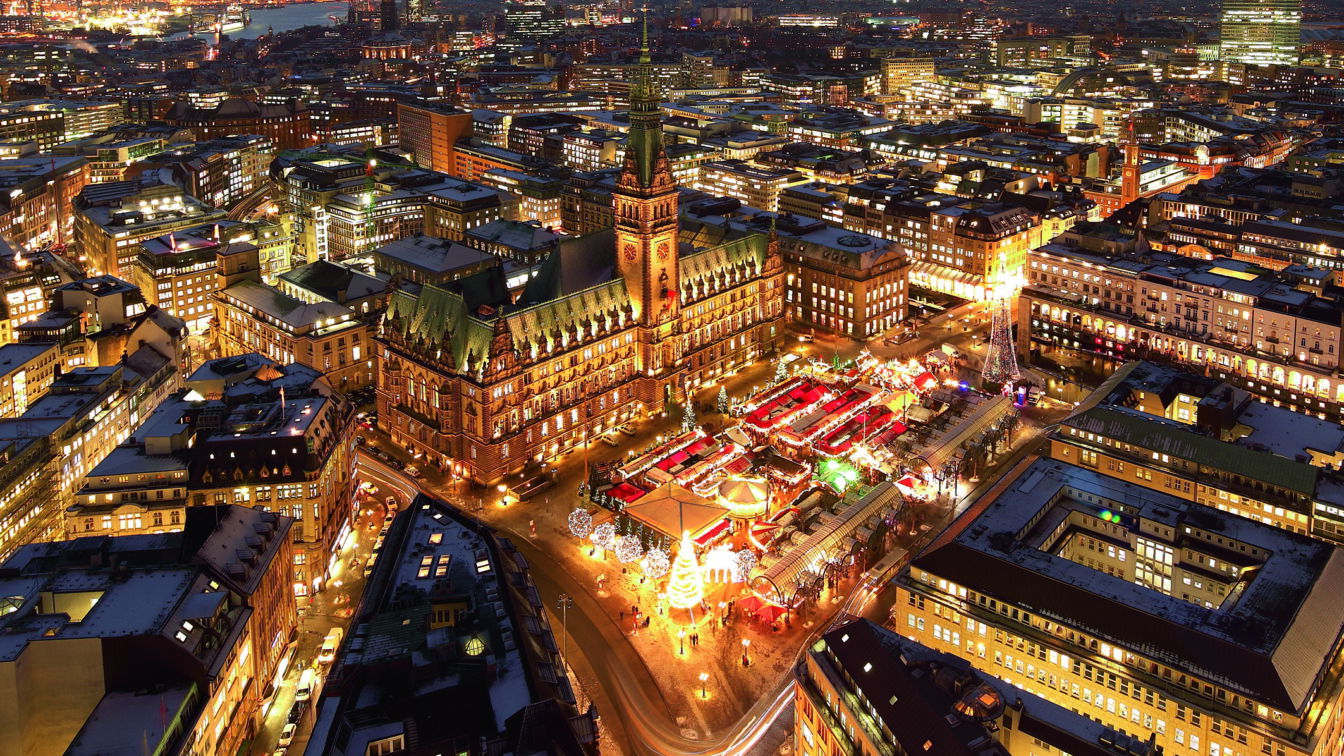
687	416
1001	358
685	587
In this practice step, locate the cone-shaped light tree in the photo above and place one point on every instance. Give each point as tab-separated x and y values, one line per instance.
685	585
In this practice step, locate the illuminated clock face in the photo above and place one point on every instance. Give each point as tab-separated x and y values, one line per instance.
630	252
662	251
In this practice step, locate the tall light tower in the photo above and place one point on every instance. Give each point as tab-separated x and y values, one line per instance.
1001	357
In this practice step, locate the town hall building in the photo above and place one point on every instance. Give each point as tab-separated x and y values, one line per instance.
617	325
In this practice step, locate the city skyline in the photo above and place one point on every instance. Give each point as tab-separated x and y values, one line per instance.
494	377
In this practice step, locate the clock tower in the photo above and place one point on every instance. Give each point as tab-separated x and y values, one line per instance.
645	209
645	206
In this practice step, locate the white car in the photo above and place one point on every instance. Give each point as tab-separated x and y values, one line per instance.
287	735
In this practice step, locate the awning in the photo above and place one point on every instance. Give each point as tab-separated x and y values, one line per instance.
713	532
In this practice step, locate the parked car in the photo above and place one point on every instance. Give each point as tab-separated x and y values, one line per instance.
627	429
413	471
287	735
304	691
329	645
610	440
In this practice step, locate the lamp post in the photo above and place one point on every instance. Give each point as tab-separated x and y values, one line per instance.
563	602
503	495
703	677
746	642
681	642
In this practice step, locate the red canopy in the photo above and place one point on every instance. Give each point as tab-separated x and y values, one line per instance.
750	603
713	532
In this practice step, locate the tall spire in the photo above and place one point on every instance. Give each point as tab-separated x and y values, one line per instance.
644	142
644	58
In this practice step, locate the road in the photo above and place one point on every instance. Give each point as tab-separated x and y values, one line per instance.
327	609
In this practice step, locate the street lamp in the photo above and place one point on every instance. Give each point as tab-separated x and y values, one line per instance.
563	602
681	640
703	677
746	661
503	495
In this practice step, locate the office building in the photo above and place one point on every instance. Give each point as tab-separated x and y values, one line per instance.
1260	32
836	281
36	195
865	689
152	643
249	432
287	125
1203	440
112	219
431	132
330	337
1100	292
1157	617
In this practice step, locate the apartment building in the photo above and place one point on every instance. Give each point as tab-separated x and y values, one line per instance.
1229	318
111	219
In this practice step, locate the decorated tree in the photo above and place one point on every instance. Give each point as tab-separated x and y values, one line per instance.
656	563
743	563
722	404
688	415
629	548
580	523
604	536
781	372
685	587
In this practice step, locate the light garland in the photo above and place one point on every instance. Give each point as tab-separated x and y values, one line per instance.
604	536
656	563
629	548
580	523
